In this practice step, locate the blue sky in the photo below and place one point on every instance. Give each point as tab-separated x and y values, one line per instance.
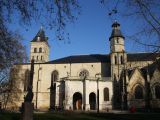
88	35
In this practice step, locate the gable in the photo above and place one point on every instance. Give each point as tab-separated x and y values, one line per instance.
136	78
156	76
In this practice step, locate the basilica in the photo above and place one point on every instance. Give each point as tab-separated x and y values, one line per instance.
117	80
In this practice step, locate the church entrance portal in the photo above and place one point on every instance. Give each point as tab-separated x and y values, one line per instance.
77	101
92	101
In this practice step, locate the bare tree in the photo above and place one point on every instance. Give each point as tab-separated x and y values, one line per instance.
10	89
54	14
11	52
51	13
146	16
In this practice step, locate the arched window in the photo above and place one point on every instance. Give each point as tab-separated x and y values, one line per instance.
157	91
37	57
83	73
26	80
117	40
106	94
138	92
40	50
122	60
35	50
54	76
115	59
41	57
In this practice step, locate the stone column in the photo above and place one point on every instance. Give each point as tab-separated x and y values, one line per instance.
87	97
68	97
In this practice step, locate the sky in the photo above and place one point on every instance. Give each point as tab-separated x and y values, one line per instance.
88	35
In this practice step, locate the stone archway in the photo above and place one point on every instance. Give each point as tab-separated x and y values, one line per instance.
92	101
77	101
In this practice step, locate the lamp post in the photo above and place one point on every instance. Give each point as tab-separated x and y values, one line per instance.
37	88
97	76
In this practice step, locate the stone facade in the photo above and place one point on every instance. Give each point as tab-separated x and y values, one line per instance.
39	52
73	82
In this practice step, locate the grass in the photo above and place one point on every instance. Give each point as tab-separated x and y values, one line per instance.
9	116
83	116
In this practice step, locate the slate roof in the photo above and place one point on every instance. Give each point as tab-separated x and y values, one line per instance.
142	56
150	69
116	32
42	36
83	59
103	58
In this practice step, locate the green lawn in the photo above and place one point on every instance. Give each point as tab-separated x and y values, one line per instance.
83	116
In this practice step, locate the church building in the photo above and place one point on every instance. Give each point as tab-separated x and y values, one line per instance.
117	80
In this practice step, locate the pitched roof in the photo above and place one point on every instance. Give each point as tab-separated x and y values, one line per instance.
104	58
152	67
149	69
142	71
142	56
116	32
82	59
42	36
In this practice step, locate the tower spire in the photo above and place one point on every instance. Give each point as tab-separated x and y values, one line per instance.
116	39
41	28
40	36
116	32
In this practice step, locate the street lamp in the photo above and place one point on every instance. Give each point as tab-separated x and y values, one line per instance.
97	76
37	87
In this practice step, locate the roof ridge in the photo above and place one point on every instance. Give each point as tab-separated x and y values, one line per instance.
82	59
88	54
143	52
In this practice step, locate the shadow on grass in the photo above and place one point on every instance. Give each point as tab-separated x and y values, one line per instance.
9	116
83	116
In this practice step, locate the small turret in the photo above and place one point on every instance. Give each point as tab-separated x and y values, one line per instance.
116	32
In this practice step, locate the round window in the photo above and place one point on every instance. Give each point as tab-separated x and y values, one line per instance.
83	73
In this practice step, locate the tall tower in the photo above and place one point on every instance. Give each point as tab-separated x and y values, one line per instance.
118	58
117	53
39	47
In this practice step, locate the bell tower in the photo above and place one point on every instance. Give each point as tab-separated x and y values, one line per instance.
116	39
117	50
39	50
118	58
